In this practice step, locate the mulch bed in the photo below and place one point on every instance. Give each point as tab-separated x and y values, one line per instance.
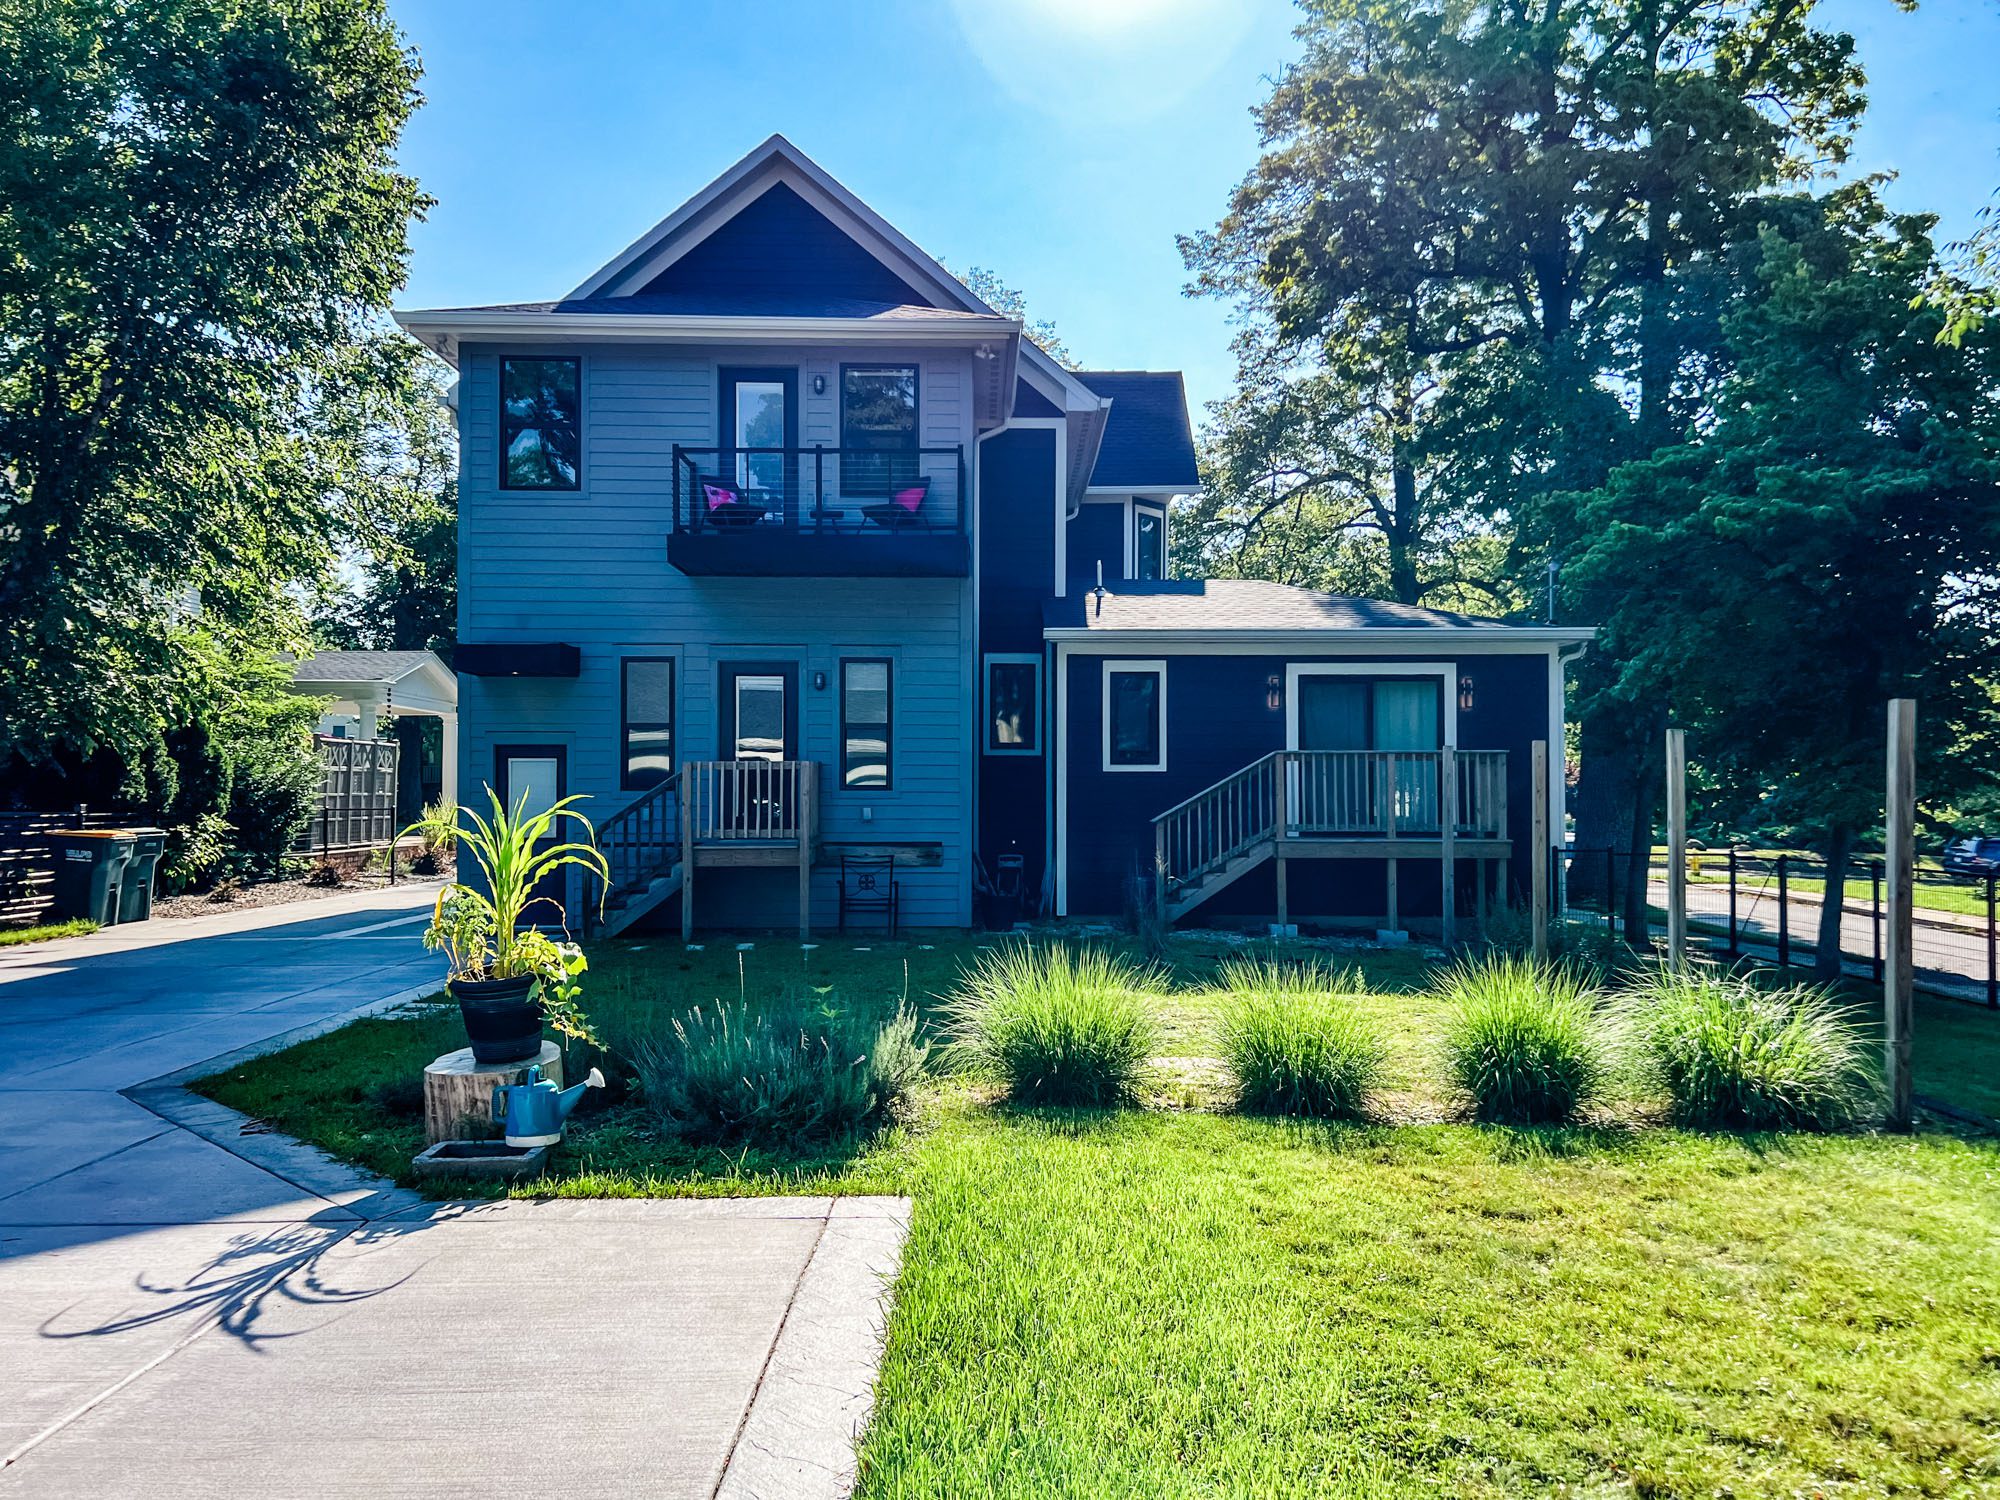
278	893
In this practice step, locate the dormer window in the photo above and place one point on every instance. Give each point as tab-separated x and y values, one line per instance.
878	427
1149	543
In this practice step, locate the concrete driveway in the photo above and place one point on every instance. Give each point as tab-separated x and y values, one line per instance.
191	1305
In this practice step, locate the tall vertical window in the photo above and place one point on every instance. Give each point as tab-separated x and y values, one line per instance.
866	707
878	427
541	424
646	726
1013	704
1135	716
1150	543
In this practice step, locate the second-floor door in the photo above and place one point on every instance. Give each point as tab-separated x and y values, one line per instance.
760	431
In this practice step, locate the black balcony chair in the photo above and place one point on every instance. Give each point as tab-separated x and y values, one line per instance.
904	509
724	505
868	885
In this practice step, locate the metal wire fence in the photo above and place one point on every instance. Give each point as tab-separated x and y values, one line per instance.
1770	905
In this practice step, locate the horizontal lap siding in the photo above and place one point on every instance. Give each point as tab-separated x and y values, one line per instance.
1219	720
590	568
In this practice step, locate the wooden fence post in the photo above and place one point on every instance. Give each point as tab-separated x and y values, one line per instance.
1677	837
1538	907
1901	859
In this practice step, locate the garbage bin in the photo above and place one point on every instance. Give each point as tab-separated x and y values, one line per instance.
135	886
88	865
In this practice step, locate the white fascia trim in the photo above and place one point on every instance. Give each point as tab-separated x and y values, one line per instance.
1144	491
441	331
1360	639
1158	668
1444	671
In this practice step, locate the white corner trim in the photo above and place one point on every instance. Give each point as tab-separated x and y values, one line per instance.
1159	669
1062	781
1445	671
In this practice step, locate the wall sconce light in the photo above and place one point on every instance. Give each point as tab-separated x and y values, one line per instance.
819	385
1465	693
819	682
1273	697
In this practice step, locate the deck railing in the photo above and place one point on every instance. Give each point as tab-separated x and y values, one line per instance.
1329	794
823	491
734	801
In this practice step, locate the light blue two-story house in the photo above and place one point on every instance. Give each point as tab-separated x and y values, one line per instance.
828	586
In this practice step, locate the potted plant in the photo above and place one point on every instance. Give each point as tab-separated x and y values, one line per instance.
509	978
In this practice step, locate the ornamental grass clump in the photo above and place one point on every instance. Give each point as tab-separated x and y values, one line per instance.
1295	1041
1054	1024
731	1073
1731	1056
1523	1042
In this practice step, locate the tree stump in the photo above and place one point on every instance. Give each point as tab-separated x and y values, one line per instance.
458	1092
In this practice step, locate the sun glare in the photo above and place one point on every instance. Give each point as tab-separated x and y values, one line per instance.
1090	60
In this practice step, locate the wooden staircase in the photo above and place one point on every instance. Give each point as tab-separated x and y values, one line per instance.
641	842
1332	804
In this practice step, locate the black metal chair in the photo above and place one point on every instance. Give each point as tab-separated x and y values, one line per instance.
868	885
726	507
904	509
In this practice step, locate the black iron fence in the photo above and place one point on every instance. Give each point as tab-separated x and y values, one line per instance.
1771	905
357	798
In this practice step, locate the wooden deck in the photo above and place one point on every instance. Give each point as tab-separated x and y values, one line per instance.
1338	804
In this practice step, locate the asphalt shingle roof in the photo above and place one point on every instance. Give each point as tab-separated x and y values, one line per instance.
1147	438
359	666
1225	604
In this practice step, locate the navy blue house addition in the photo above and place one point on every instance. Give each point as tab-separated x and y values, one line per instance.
809	569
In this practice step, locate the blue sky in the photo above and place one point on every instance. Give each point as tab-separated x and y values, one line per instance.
1060	143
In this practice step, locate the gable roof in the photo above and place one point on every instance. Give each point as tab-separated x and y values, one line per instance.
1148	442
1224	607
705	288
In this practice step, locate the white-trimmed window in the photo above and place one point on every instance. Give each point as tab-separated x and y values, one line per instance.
1149	541
1013	703
1135	716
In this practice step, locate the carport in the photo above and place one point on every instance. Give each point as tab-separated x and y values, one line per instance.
374	685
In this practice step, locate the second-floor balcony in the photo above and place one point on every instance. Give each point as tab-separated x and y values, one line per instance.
820	512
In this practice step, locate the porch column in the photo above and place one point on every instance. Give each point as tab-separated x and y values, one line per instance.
448	722
368	709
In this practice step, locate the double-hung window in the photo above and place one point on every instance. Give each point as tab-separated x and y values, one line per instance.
541	423
1135	716
646	721
867	706
878	428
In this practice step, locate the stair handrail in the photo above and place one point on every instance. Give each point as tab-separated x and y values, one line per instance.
1204	832
650	820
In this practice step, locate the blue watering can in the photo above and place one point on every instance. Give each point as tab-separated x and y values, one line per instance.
533	1111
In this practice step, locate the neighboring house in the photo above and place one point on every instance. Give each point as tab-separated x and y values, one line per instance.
363	688
786	549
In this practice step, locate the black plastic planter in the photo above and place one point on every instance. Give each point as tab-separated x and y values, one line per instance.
503	1017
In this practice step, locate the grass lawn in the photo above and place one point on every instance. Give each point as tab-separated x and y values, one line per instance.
1184	1301
74	927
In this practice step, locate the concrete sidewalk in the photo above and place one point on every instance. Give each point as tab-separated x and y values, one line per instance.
192	1305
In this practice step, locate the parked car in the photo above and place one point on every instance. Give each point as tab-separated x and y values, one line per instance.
1974	858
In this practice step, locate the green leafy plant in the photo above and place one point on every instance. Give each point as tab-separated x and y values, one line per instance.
1294	1040
436	830
1523	1041
1056	1025
732	1072
195	853
1731	1056
482	932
